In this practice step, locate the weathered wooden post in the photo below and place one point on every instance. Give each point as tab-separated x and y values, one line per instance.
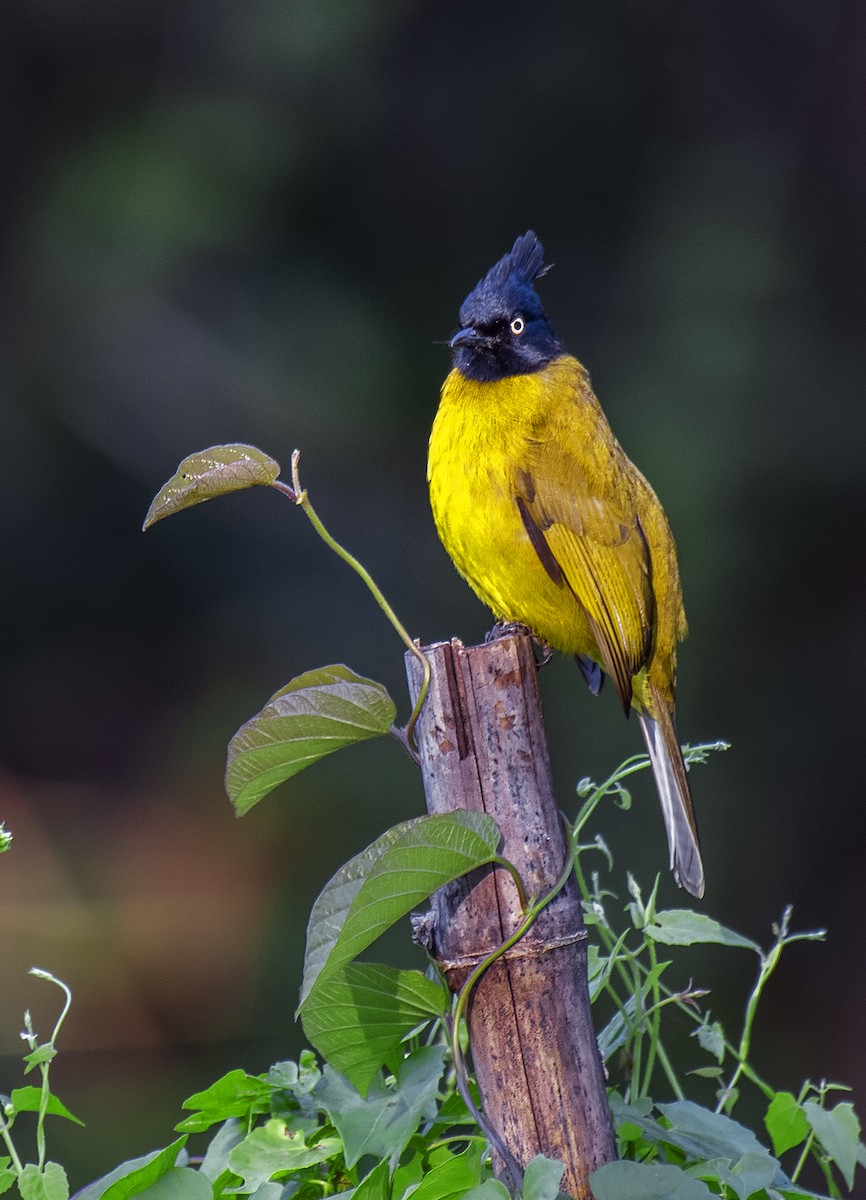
482	746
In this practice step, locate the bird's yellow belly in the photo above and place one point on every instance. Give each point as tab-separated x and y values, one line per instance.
471	470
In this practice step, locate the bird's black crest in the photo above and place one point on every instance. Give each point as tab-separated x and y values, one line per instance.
525	259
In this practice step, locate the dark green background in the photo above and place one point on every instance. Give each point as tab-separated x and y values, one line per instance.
228	221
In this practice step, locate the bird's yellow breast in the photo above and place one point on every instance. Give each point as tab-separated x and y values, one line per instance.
482	434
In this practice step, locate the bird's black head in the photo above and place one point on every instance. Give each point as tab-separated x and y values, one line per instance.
503	327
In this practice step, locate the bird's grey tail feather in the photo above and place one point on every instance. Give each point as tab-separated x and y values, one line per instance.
669	770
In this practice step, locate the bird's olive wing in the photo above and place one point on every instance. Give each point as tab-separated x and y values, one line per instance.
593	544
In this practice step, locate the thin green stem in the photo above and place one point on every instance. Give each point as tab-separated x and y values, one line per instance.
636	989
768	965
655	1014
804	1157
670	1073
6	1135
298	496
45	1094
517	880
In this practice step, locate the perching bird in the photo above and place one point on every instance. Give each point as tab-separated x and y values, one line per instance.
552	524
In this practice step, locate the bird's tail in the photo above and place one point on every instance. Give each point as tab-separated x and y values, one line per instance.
669	769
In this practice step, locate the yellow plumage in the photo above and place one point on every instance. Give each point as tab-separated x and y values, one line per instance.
554	527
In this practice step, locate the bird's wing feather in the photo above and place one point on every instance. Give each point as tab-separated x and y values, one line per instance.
597	544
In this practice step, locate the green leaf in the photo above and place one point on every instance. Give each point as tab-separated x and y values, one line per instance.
684	927
382	1123
28	1099
48	1184
7	1178
452	1178
274	1150
273	1191
216	1158
235	1095
751	1174
357	1019
702	1133
210	473
786	1122
712	1039
180	1183
490	1189
41	1056
838	1131
314	715
542	1178
387	880
374	1186
135	1175
645	1181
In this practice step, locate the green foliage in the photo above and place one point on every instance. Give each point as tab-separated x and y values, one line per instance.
391	1112
42	1179
383	1116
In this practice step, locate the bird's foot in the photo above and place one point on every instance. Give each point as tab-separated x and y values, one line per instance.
511	629
504	629
545	653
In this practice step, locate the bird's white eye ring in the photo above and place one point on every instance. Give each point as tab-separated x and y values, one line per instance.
518	325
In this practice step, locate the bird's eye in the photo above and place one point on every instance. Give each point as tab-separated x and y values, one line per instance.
518	325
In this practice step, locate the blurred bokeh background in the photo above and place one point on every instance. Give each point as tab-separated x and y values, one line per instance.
227	221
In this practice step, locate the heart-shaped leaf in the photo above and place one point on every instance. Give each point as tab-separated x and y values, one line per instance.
357	1019
314	715
387	880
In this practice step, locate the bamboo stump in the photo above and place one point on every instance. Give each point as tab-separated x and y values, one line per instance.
482	746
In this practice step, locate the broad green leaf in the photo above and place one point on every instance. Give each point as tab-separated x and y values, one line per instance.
235	1095
274	1150
753	1173
838	1131
273	1191
180	1183
216	1158
210	473
786	1122
382	1123
48	1184
314	715
684	927
702	1133
542	1178
358	1017
387	880
645	1181
412	1166
452	1178
135	1175
29	1099
374	1186
7	1177
490	1189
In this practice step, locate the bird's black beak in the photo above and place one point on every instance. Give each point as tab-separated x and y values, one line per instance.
468	336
